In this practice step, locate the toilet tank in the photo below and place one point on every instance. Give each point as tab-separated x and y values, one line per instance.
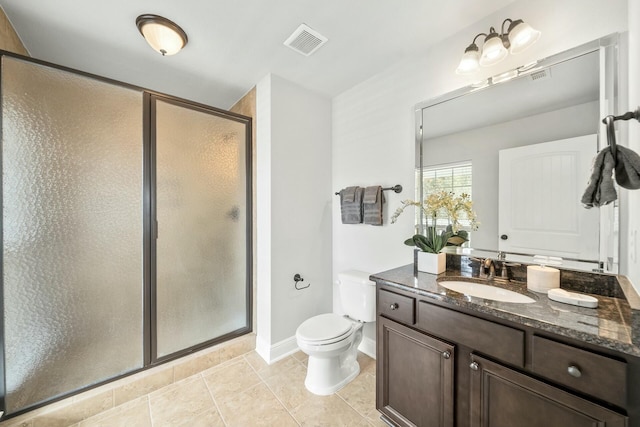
357	295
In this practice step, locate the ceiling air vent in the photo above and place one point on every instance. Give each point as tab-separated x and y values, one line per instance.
541	75
305	40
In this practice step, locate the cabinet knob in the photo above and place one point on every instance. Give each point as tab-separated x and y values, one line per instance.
394	306
574	371
474	366
446	355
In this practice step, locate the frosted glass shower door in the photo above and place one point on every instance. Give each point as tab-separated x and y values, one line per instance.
72	260
202	243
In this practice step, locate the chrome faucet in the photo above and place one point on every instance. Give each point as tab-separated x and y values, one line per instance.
488	264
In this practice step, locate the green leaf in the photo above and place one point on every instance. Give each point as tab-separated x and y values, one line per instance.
422	242
463	234
456	240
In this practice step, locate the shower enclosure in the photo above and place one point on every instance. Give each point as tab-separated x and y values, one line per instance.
125	230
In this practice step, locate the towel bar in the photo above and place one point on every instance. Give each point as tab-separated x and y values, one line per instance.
396	188
611	133
626	116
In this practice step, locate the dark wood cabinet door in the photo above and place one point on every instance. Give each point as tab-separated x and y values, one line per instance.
415	377
502	397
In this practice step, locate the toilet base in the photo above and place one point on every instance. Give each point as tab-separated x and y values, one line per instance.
334	366
325	376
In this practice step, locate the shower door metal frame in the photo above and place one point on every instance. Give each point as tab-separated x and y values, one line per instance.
153	225
149	233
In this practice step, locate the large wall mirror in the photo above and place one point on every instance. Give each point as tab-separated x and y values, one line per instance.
523	144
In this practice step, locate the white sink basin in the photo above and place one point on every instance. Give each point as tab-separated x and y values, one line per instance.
486	291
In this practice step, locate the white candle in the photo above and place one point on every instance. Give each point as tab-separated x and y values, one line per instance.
541	278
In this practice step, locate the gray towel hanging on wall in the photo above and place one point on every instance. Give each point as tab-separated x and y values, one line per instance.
372	204
600	190
624	161
353	204
627	162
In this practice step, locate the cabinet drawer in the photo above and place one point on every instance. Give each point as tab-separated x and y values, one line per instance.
396	306
590	373
492	339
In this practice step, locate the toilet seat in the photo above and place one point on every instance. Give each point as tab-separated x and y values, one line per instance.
324	329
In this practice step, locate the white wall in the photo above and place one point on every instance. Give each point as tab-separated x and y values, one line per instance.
294	197
633	197
373	123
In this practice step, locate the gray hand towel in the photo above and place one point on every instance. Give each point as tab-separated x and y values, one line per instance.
348	194
600	190
351	205
627	168
372	205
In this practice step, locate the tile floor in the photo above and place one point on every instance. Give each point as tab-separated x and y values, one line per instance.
247	392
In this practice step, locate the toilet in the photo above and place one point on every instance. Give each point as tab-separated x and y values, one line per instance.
332	340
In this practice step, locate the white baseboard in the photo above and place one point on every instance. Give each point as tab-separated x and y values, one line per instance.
286	347
277	351
368	347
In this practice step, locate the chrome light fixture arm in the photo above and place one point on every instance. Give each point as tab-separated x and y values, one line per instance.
504	35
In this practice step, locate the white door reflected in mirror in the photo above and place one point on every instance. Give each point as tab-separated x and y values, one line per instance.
549	179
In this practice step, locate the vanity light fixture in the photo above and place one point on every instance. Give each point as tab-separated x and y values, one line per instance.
518	37
164	36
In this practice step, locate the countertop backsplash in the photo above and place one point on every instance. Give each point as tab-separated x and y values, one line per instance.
572	280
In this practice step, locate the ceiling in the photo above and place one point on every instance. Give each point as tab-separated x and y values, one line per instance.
234	44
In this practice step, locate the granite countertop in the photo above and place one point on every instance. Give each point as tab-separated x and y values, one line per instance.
615	324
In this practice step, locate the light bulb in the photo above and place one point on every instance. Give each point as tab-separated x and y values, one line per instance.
521	36
493	51
469	62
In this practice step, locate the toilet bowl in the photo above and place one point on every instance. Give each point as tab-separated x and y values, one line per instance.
331	341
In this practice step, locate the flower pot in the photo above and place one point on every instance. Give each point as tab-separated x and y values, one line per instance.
431	263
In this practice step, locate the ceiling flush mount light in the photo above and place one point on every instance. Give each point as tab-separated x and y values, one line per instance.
164	36
518	37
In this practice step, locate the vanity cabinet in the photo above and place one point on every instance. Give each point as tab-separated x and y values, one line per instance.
439	366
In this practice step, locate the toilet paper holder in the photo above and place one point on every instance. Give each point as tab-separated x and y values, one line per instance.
298	278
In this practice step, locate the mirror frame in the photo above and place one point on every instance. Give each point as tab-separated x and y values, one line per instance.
610	94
